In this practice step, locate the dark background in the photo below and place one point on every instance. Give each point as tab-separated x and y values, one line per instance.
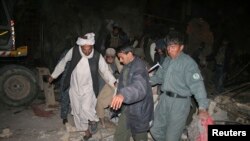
50	26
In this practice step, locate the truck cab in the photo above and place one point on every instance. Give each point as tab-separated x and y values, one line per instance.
7	34
19	84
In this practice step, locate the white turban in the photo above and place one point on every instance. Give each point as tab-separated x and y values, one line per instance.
110	52
87	39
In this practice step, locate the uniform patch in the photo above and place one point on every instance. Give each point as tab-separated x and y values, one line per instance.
196	76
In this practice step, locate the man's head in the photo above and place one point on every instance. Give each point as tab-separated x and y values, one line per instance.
175	44
110	55
116	29
125	54
86	43
160	46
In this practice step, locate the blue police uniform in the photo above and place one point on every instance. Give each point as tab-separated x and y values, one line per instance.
180	79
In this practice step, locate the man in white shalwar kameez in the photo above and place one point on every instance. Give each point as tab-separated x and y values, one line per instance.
81	89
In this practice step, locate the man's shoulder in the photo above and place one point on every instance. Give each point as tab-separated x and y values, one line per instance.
138	60
139	63
97	55
187	62
187	58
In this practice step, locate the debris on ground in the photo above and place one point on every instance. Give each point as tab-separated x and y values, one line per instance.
6	133
41	111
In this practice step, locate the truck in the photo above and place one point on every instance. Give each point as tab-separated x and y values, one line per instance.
20	84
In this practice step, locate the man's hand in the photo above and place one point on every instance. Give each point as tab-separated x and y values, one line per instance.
50	79
117	102
203	114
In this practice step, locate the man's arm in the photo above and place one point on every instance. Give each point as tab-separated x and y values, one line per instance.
157	78
196	85
105	72
60	66
137	89
134	92
118	65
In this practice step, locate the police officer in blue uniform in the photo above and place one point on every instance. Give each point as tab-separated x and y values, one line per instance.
180	78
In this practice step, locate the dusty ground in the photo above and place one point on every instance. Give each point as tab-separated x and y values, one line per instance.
32	123
27	124
23	124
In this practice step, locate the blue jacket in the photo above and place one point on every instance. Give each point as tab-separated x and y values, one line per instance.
138	98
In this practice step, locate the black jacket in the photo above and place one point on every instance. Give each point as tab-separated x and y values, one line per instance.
138	98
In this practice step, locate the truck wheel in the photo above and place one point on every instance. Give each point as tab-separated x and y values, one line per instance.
18	85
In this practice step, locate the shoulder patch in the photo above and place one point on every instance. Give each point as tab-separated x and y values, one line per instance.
196	76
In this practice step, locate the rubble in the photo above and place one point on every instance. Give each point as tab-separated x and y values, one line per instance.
6	133
235	102
232	107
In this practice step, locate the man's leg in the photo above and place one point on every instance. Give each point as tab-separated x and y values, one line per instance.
177	118
100	109
158	130
65	105
121	132
103	100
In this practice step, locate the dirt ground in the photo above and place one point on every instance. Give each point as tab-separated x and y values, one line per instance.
35	123
23	124
38	123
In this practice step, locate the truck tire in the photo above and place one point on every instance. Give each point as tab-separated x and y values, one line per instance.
18	85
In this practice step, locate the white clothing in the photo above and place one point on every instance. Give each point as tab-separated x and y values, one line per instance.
82	96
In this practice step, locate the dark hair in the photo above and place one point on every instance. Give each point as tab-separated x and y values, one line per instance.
174	37
125	49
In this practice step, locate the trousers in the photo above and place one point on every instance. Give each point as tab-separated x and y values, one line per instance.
123	133
104	100
170	118
65	104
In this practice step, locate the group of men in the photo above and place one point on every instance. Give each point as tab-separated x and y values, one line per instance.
131	91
